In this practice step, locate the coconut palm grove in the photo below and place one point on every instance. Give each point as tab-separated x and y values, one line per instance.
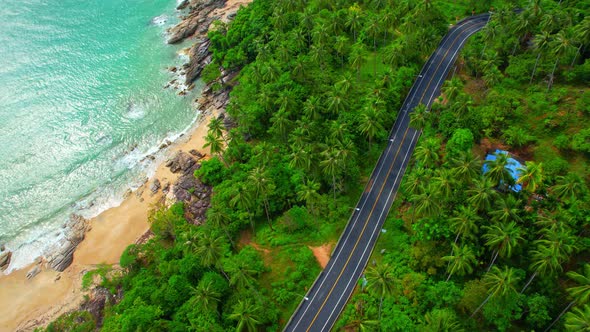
319	87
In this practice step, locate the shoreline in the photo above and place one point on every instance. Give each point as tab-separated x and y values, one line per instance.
29	303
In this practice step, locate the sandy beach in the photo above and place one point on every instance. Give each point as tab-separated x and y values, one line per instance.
26	304
29	303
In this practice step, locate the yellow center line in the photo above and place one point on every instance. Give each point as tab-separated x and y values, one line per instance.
362	231
380	191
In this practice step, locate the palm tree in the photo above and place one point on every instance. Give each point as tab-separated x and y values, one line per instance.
357	57
441	320
461	260
354	19
464	223
466	166
247	314
569	188
503	238
336	101
301	158
452	88
373	29
426	204
215	144
412	183
216	127
482	194
582	36
219	219
308	192
331	164
281	123
443	182
345	83
427	152
497	171
580	294
312	108
531	176
418	117
211	248
264	186
370	124
499	283
241	275
506	210
578	319
341	46
540	44
562	45
205	296
243	199
545	262
380	280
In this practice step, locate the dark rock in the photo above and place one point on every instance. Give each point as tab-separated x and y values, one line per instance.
197	19
166	188
182	5
99	298
155	186
173	69
33	272
181	162
62	256
200	57
182	194
187	182
5	260
197	154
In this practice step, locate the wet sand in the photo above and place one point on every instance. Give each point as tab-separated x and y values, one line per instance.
26	304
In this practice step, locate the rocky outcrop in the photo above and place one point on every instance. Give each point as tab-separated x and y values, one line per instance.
188	189
200	57
197	21
182	5
5	257
33	272
155	186
96	303
63	255
182	162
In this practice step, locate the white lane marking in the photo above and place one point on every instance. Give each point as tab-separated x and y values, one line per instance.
469	34
367	244
413	93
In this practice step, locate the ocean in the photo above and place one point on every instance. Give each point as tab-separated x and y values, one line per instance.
82	104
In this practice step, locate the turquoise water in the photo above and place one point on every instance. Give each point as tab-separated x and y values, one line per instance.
81	103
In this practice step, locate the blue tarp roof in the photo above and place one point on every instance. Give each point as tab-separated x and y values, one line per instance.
512	167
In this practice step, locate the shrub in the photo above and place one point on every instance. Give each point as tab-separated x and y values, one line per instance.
212	172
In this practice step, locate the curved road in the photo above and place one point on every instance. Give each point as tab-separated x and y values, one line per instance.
326	298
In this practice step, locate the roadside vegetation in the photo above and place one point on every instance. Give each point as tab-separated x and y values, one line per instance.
319	87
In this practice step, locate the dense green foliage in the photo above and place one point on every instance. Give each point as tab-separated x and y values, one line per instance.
319	87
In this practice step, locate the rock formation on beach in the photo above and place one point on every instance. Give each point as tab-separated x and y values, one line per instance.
188	189
201	14
63	255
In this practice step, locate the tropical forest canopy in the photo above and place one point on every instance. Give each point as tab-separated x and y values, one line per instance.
319	88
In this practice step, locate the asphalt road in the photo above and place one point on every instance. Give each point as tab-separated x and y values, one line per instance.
327	297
